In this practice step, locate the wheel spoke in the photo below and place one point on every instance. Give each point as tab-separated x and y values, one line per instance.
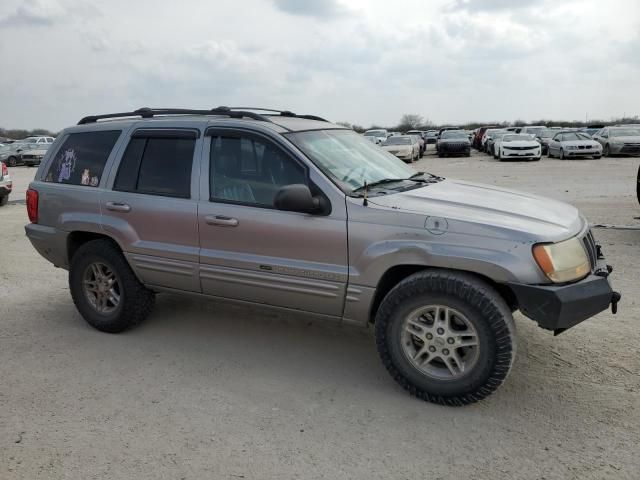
97	274
465	339
416	328
454	364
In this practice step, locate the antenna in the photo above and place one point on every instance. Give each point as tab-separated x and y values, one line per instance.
365	202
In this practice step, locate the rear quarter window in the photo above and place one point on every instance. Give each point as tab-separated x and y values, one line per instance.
82	157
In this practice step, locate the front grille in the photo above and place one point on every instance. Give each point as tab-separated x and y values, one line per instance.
519	148
592	250
582	147
456	147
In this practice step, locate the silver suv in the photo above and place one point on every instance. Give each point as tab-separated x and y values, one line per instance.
291	211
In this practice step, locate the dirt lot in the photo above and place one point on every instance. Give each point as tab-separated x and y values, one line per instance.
208	390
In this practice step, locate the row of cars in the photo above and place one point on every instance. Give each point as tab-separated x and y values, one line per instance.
28	151
532	142
411	145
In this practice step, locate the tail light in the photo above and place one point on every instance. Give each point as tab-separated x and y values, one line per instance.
5	170
32	205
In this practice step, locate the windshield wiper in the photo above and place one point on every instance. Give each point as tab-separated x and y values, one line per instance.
380	182
432	178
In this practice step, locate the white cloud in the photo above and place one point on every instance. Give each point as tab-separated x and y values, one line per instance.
363	61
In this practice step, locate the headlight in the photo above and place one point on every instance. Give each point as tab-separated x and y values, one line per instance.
563	261
571	147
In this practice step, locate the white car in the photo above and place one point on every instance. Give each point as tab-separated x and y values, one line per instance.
405	147
37	139
574	145
379	134
519	147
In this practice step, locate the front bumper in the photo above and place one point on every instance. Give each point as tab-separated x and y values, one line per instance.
587	152
523	154
624	148
559	307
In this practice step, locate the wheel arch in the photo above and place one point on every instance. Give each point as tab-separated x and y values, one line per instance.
78	238
397	273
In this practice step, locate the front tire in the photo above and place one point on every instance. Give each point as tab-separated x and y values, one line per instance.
446	337
606	152
12	161
105	290
3	200
561	156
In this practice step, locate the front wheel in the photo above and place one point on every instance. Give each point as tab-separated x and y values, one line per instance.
606	152
105	290
446	337
561	157
12	161
3	200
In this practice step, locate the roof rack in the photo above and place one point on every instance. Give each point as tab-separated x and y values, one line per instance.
146	112
282	113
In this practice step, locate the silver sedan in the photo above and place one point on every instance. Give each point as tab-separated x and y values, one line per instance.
573	145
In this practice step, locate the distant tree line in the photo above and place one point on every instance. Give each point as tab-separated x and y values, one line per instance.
18	134
410	121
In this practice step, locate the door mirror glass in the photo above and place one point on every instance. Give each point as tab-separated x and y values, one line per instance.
296	198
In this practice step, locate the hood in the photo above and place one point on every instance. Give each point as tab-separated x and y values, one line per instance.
489	208
522	143
397	147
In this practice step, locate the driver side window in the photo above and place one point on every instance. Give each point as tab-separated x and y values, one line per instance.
250	170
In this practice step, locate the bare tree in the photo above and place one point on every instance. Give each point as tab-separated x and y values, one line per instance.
410	121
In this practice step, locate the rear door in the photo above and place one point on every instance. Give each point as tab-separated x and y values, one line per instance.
151	209
252	252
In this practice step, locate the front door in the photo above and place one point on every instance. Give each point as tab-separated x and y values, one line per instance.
252	252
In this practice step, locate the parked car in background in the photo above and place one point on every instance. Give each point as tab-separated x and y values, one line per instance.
488	146
32	157
619	140
477	139
379	134
431	136
544	137
519	146
372	139
487	133
494	143
454	142
405	147
37	139
12	154
591	130
532	130
5	184
573	145
420	135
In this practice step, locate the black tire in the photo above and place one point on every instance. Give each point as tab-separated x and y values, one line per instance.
12	161
3	200
606	152
482	306
136	301
441	154
597	157
561	155
467	154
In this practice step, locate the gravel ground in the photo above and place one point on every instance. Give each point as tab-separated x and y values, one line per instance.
210	390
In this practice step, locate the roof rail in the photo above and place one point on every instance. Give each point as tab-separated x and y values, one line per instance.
146	112
282	113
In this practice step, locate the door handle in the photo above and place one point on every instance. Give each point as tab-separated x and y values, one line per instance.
118	207
221	221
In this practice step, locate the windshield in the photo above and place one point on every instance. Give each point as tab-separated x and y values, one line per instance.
347	159
376	133
398	141
624	132
515	138
453	134
547	133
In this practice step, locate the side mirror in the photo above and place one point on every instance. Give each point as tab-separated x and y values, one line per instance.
296	198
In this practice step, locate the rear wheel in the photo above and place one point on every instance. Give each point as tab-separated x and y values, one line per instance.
606	152
3	200
12	161
446	337
105	290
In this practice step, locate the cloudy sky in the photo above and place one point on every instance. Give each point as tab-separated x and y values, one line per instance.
361	61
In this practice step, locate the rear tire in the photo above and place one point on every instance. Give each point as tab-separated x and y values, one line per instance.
606	152
446	337
3	200
135	301
12	161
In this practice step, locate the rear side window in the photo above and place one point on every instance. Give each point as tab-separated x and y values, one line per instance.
81	159
157	166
